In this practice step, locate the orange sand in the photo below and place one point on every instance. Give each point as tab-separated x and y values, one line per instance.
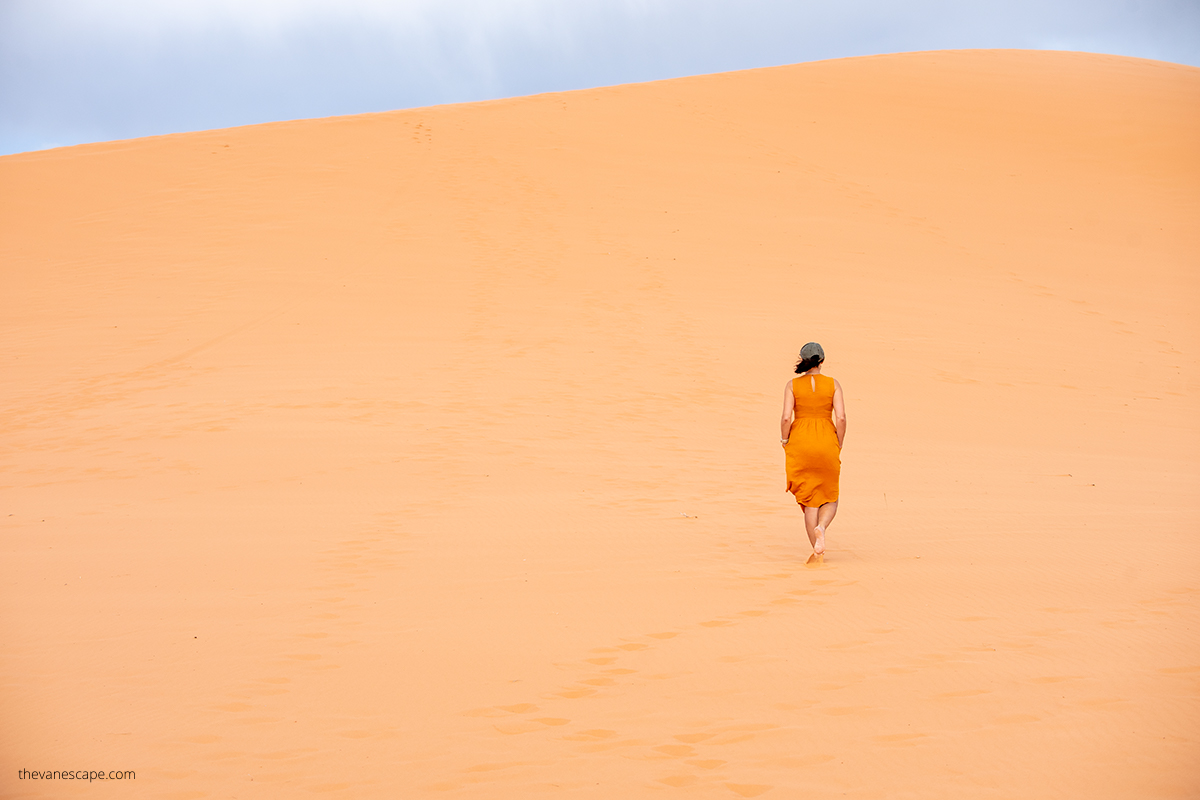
434	453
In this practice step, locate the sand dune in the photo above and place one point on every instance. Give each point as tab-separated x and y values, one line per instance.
433	453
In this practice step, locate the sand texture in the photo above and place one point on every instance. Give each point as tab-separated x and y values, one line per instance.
435	453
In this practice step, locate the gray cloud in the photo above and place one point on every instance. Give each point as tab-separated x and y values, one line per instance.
83	70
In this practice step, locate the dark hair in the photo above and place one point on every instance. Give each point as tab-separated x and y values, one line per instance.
805	364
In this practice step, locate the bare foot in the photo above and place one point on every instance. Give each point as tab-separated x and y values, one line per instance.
814	560
819	544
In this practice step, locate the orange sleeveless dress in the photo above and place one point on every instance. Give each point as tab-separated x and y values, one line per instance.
814	460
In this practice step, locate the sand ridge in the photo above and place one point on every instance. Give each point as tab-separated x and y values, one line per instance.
433	453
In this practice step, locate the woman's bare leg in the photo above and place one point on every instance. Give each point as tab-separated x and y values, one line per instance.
825	515
810	523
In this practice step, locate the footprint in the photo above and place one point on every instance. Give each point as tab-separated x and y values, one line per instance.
732	738
600	661
748	789
707	763
634	646
801	761
676	750
592	735
500	711
553	722
599	682
514	728
574	694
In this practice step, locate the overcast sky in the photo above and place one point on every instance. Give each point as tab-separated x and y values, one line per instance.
75	71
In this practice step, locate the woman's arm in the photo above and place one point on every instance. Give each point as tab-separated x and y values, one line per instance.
839	412
789	412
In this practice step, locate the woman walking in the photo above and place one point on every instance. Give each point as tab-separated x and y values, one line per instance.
812	442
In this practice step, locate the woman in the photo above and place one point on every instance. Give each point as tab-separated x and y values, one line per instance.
812	442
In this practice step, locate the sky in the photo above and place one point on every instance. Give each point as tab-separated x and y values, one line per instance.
74	71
